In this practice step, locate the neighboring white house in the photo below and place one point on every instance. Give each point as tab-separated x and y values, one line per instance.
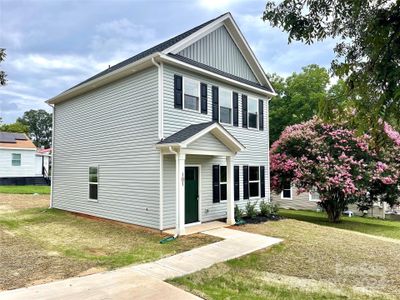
174	136
20	163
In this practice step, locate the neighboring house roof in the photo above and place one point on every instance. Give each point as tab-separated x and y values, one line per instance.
191	133
15	140
169	49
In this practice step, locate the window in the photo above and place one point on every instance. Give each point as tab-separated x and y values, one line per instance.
314	196
191	89
253	113
287	191
16	159
93	182
254	181
225	106
223	184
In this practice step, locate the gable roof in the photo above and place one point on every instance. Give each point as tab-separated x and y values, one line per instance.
170	48
15	140
193	132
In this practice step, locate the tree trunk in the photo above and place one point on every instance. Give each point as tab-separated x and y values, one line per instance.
334	208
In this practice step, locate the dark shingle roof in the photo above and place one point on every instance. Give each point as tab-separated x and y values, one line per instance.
217	71
11	137
185	133
158	48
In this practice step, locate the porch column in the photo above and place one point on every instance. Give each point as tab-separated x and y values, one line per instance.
180	193
230	219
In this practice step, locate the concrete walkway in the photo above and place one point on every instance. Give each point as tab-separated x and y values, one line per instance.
146	281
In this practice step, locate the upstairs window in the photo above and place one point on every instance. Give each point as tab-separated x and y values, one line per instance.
191	90
93	183
225	106
16	159
253	113
254	181
287	191
223	183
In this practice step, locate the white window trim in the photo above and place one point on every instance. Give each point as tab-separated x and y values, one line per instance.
249	98
183	94
12	159
252	181
219	105
291	194
96	183
223	182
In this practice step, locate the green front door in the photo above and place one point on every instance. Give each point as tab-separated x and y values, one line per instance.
191	195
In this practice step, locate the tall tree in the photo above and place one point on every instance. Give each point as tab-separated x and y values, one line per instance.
368	48
3	75
299	98
40	126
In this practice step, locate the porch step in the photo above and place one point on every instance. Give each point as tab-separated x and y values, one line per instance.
200	227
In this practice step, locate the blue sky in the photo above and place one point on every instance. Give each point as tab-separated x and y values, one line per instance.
54	44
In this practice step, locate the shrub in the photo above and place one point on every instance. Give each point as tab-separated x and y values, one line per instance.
238	213
251	211
268	208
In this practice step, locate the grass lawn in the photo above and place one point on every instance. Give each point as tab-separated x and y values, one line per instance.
313	262
38	244
385	228
24	189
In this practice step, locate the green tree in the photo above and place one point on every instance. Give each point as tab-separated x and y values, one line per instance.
14	127
299	98
3	75
368	49
40	126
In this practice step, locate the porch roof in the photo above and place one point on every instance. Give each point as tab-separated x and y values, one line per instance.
193	132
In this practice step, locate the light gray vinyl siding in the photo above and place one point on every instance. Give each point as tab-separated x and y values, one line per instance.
218	50
298	201
255	141
207	142
114	127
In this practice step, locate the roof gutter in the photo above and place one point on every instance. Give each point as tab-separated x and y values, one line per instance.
173	61
103	80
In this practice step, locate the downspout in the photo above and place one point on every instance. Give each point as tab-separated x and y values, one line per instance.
52	154
160	137
176	192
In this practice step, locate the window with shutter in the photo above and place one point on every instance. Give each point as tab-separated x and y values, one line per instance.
244	111
235	101
215	103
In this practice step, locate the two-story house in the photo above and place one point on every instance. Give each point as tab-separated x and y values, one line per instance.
174	136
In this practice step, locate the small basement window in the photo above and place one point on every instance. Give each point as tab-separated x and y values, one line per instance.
253	113
223	183
191	90
254	181
16	159
287	191
93	182
225	106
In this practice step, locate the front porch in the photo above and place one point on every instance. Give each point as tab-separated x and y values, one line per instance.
194	148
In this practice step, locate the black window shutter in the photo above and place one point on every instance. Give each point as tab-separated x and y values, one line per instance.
262	180
261	112
236	182
216	191
244	111
245	182
235	109
203	92
215	104
178	96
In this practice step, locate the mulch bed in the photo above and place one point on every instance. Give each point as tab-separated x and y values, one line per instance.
262	219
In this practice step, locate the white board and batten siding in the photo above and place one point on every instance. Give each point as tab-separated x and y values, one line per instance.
255	141
27	167
114	127
218	50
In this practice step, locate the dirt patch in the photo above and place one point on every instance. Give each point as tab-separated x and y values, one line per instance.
23	264
13	202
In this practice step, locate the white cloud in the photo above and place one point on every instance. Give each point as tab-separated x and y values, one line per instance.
217	5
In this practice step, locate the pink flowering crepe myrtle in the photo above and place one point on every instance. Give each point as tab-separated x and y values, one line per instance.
335	162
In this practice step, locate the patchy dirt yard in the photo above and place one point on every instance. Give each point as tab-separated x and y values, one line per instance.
313	262
39	245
